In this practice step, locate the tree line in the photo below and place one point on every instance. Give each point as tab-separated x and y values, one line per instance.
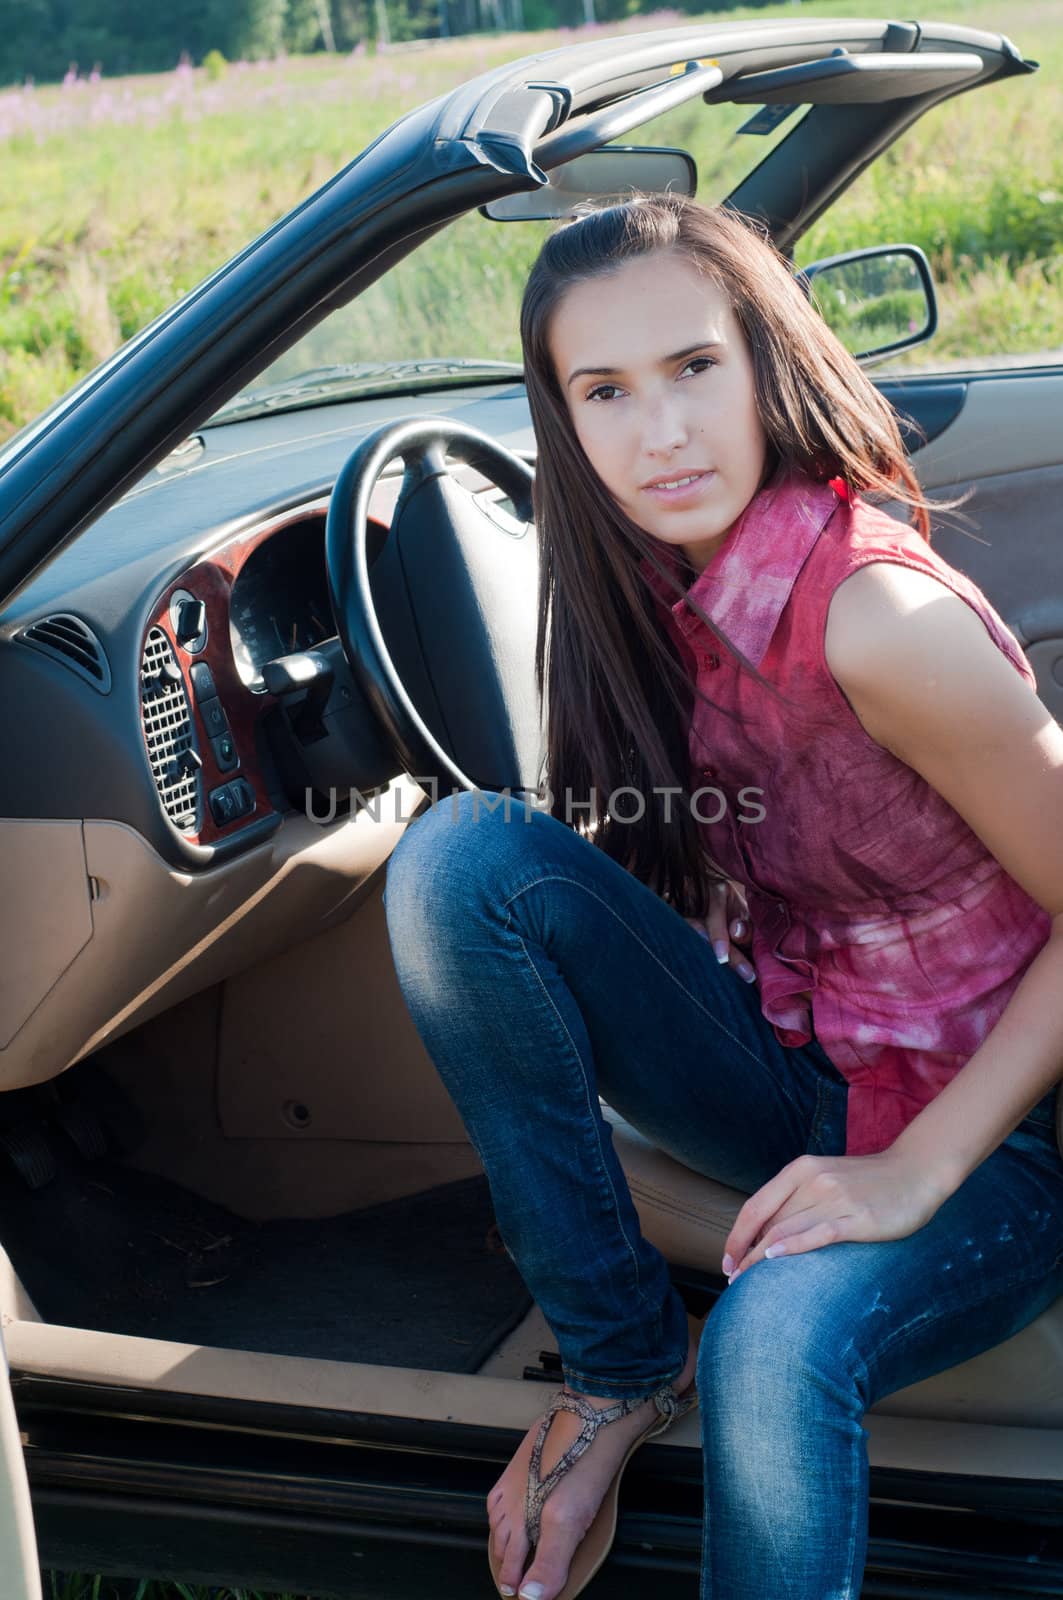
44	40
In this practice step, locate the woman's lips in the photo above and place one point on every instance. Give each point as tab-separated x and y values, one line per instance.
686	494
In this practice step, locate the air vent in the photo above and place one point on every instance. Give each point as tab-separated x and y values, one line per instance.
66	638
168	732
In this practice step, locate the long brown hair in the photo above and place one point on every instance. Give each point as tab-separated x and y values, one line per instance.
617	694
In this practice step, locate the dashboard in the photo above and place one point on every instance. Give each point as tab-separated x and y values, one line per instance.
236	533
154	831
221	752
145	640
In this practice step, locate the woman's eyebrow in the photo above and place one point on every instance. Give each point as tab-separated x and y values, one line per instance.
611	372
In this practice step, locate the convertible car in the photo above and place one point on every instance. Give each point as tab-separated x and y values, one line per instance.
268	583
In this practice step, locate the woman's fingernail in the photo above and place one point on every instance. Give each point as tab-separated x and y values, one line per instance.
738	929
775	1250
531	1591
728	1265
722	952
505	1589
746	971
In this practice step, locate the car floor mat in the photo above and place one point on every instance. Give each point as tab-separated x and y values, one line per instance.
422	1281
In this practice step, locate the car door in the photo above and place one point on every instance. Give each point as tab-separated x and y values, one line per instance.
18	1539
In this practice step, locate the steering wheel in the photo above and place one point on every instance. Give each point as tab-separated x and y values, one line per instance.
440	632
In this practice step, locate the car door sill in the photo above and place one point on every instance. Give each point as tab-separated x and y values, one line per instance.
359	1503
188	1380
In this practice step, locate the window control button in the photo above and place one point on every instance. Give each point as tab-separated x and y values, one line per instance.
223	805
202	681
213	714
224	747
244	796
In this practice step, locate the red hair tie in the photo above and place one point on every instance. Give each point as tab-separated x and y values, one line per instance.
841	489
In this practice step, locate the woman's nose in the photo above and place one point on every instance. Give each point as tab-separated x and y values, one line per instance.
663	426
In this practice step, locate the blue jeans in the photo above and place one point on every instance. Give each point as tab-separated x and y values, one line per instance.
541	975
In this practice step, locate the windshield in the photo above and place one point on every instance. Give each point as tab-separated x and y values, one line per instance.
457	297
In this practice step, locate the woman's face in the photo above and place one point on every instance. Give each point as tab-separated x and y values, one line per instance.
658	379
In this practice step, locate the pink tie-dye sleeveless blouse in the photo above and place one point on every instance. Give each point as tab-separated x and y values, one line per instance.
879	917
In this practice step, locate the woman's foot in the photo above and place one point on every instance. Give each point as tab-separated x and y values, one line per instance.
571	1507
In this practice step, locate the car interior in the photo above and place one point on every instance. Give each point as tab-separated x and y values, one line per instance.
227	1165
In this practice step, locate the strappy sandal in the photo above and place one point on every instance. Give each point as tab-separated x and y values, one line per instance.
598	1540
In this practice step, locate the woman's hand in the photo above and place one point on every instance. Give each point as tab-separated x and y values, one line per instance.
819	1200
727	926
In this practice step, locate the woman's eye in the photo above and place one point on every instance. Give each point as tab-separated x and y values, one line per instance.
605	391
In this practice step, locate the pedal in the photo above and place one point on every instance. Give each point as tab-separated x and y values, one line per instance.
85	1130
66	1105
96	1115
30	1150
84	1127
122	1120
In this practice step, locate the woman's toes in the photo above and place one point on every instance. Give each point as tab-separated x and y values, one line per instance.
548	1573
499	1545
511	1550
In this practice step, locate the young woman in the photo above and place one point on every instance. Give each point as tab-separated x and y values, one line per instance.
808	737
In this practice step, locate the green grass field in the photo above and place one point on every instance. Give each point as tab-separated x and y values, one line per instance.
121	195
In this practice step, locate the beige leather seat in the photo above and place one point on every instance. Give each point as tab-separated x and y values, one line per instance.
688	1217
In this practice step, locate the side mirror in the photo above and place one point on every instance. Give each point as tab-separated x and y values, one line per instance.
876	301
609	173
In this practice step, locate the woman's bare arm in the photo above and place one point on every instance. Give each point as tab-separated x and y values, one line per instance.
927	682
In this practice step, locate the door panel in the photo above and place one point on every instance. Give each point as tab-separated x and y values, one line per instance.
1004	448
932	404
1010	422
